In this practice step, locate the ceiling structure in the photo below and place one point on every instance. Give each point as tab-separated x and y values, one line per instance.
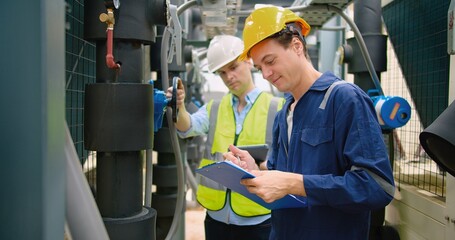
228	16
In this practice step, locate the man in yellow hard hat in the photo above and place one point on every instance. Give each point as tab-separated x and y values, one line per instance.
243	117
327	143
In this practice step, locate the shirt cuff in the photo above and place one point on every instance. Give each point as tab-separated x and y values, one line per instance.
185	134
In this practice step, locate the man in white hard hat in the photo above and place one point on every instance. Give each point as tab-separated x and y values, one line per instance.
242	117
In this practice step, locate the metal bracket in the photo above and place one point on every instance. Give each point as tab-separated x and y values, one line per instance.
175	30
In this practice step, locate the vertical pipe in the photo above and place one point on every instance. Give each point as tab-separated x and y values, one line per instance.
119	183
119	115
148	177
368	18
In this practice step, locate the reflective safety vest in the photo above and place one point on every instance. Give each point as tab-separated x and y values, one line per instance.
257	129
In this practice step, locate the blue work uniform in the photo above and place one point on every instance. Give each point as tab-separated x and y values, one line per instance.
337	144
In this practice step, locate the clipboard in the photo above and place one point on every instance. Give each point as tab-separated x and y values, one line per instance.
229	175
258	152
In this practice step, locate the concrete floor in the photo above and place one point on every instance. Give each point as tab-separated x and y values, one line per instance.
194	223
194	219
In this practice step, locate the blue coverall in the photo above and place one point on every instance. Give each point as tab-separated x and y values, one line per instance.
341	153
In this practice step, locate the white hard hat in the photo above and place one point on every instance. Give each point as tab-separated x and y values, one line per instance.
223	49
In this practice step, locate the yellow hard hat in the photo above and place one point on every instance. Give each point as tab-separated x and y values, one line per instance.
264	22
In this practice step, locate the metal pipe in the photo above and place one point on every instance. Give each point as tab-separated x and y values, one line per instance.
148	152
82	214
335	28
186	6
148	177
109	19
110	62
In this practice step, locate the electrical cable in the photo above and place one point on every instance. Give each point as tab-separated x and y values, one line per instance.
173	133
174	139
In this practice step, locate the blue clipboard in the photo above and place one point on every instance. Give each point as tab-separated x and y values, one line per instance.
229	175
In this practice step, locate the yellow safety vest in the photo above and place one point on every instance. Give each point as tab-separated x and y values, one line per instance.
257	129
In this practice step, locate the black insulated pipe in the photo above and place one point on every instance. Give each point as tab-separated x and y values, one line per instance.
133	21
368	19
118	119
119	200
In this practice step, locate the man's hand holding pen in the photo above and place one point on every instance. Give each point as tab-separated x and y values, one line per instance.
241	158
268	185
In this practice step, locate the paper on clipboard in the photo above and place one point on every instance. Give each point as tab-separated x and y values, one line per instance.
229	175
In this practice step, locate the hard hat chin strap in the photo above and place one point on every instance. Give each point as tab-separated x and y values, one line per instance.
295	29
291	29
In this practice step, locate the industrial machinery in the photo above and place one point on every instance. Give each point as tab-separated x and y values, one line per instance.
118	86
89	99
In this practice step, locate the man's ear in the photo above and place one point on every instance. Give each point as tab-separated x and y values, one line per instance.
249	62
297	45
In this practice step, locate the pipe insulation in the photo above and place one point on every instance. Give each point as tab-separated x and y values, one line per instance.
364	14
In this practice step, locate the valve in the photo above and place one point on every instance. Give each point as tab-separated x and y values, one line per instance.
109	19
161	102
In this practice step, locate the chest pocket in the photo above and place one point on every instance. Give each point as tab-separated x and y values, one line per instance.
316	136
317	145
